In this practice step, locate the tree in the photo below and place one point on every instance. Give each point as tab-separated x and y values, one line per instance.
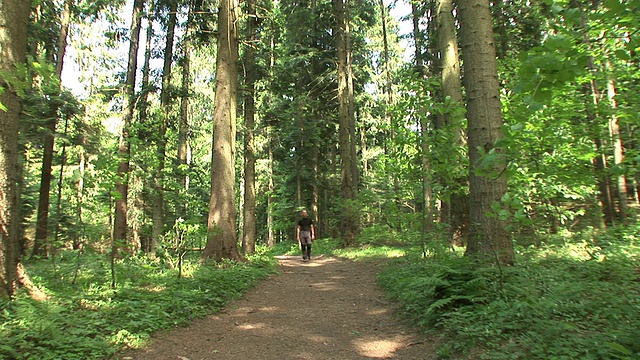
161	141
142	135
183	127
618	149
42	227
249	234
345	116
14	15
450	96
120	228
487	180
593	93
221	243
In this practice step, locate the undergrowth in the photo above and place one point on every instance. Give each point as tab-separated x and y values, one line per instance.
574	297
86	318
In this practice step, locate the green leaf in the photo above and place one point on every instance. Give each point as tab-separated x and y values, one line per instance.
543	96
2	107
615	6
619	348
622	55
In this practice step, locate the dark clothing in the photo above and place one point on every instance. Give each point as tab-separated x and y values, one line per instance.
305	224
306	251
304	236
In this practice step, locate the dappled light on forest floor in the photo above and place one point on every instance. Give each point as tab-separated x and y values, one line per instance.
379	348
323	309
251	326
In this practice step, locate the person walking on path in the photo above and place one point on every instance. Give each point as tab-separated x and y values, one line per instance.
305	233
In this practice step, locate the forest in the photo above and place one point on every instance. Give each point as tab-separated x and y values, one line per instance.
172	144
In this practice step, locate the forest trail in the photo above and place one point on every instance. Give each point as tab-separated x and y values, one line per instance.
324	309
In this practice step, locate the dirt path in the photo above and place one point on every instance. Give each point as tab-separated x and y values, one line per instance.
324	309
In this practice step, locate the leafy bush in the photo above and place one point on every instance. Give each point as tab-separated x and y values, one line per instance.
575	300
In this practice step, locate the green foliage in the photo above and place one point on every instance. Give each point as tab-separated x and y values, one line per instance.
86	319
575	297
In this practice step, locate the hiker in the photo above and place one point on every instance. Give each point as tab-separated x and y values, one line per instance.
305	233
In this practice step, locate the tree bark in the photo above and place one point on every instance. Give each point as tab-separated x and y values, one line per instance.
353	151
82	163
348	221
183	128
424	125
249	237
271	201
222	243
455	207
157	227
143	133
120	228
590	89
63	163
488	238
14	17
618	151
42	221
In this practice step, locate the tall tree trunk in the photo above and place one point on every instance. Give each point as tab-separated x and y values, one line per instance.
424	125
143	133
222	243
14	15
348	220
157	227
635	178
355	177
183	128
271	202
82	163
455	206
602	178
249	238
618	150
488	238
388	85
120	228
316	119
42	220
300	143
63	163
315	191
591	90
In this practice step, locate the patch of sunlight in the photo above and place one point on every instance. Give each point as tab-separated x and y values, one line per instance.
157	288
268	309
580	251
251	326
377	348
126	339
368	252
314	263
380	311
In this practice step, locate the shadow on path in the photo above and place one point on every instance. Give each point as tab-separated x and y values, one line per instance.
326	308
